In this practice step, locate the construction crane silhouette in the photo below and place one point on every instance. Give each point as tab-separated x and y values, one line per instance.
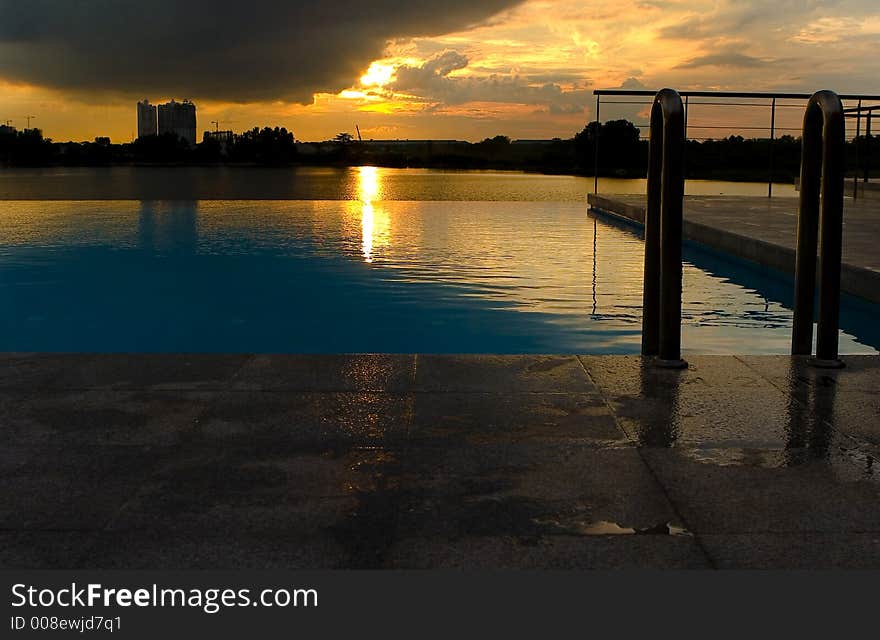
358	129
29	118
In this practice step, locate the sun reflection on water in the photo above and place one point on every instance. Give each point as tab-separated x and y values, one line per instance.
375	223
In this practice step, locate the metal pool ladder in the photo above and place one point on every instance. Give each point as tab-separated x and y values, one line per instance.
661	298
820	229
822	179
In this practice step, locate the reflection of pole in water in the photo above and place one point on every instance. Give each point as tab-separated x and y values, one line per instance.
367	225
595	235
147	227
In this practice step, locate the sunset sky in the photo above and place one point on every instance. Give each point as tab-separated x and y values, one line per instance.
459	69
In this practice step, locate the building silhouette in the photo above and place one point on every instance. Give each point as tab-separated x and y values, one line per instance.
178	118
147	123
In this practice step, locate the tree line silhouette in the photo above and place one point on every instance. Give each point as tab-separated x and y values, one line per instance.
622	152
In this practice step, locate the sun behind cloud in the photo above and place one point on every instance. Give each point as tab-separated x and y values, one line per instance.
378	75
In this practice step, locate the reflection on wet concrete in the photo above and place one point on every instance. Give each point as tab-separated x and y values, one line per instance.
810	407
660	388
383	462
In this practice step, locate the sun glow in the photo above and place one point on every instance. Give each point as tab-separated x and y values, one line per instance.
368	184
374	223
378	75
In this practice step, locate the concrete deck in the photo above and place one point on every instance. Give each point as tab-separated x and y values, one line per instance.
436	461
764	230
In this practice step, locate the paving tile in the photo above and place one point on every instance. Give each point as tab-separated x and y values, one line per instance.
17	456
365	418
300	471
633	375
501	374
862	373
99	417
186	372
185	550
367	372
118	371
854	413
485	461
555	552
717	402
35	371
256	490
319	419
246	416
72	488
846	399
491	490
730	491
762	418
480	418
258	514
43	550
794	551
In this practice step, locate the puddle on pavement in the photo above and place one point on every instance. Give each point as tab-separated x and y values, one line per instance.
847	463
605	528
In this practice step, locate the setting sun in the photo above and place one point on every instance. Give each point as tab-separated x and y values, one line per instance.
378	75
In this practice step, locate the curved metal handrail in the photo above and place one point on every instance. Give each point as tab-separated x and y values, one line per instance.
822	180
661	319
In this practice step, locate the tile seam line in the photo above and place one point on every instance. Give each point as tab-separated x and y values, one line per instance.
248	360
696	536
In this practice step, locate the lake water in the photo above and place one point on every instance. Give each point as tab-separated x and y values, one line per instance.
490	263
325	183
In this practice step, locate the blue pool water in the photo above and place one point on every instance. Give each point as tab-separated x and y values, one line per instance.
363	276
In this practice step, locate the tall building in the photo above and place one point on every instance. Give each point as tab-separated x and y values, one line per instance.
178	118
147	124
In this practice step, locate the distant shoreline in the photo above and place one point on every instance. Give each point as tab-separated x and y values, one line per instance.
718	175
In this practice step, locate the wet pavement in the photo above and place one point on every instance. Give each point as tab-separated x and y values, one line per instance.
179	461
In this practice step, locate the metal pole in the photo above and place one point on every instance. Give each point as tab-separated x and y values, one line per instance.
687	100
651	286
831	232
858	133
661	320
672	209
807	237
772	138
596	149
684	152
823	173
867	154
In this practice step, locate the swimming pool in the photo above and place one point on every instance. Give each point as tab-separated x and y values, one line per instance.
360	276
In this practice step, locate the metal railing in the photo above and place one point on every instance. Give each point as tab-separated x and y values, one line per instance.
863	145
661	319
822	181
776	102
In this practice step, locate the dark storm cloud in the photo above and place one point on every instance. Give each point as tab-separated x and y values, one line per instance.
222	49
